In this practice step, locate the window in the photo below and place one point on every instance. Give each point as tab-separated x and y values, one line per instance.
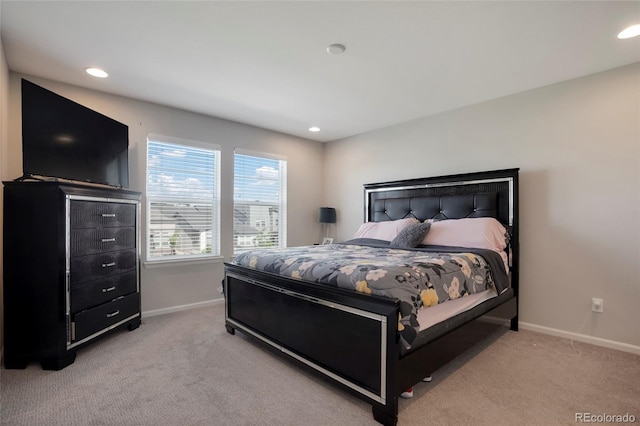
183	180
259	201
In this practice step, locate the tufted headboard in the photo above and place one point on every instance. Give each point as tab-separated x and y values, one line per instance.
437	207
484	194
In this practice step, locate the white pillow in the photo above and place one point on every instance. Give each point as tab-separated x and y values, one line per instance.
383	230
477	232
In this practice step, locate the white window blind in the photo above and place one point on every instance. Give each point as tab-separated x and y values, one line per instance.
183	208
259	201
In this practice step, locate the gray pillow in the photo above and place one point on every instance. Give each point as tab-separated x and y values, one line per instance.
411	236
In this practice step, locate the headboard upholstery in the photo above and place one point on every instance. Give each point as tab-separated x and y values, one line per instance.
436	207
485	194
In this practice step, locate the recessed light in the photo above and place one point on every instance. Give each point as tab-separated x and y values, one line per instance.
97	72
314	129
64	138
336	49
629	32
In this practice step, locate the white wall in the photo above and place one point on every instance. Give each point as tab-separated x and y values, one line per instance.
577	146
168	286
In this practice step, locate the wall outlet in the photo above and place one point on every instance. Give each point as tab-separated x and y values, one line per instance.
597	305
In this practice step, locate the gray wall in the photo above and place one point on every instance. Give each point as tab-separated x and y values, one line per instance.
171	285
577	146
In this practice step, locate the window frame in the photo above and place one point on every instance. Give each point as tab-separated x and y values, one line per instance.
215	203
281	219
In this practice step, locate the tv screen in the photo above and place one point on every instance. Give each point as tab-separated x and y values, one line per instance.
63	139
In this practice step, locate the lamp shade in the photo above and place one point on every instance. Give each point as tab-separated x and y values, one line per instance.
327	215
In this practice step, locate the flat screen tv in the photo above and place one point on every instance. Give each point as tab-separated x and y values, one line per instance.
63	139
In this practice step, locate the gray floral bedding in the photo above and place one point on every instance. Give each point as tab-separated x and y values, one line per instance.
419	278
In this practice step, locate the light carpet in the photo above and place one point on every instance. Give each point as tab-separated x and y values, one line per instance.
185	369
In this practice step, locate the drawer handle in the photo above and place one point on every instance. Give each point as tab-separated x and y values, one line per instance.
108	265
113	314
107	290
108	240
108	215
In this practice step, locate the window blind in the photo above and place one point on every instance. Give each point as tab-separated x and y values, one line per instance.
260	201
183	208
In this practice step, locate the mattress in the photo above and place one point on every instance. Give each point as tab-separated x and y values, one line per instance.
436	314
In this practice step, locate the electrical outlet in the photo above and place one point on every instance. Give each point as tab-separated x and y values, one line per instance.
597	305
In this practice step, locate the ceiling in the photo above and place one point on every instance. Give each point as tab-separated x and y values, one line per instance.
265	63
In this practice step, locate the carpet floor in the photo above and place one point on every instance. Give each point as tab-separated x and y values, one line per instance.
185	369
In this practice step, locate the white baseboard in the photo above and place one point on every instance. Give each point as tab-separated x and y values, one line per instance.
611	344
154	312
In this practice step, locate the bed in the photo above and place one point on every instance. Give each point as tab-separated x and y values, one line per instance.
368	337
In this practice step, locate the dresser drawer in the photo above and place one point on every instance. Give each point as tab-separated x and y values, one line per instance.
99	318
89	268
95	214
100	240
89	294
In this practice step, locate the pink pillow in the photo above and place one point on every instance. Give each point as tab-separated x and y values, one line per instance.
478	232
383	230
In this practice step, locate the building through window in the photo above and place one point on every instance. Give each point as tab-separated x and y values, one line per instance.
182	198
259	200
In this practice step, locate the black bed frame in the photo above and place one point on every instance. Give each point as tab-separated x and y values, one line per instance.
352	338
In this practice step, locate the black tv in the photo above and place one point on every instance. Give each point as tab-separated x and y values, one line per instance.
63	139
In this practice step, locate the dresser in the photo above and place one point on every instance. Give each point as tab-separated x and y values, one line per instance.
71	269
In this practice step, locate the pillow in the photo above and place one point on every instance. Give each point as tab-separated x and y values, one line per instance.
411	236
383	230
477	232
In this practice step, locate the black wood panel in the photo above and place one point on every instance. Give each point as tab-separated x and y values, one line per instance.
87	294
95	214
87	268
34	296
342	342
93	320
100	240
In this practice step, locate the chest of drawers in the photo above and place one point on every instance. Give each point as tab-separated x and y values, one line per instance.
71	256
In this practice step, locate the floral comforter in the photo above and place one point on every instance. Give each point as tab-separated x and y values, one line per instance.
419	278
